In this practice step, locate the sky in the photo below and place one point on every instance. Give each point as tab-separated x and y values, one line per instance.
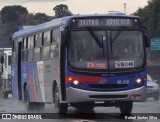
77	6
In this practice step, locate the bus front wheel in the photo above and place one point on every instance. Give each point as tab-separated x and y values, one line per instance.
59	107
126	107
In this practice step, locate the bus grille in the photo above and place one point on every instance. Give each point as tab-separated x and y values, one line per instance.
103	86
108	96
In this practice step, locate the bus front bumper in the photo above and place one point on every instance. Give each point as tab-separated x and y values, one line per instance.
79	95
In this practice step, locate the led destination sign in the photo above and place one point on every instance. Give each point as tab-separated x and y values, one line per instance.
111	22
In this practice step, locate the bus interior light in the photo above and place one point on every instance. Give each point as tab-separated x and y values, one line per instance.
75	82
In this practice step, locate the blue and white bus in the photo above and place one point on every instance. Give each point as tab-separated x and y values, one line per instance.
81	61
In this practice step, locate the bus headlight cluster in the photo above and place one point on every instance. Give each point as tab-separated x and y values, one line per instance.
139	81
75	82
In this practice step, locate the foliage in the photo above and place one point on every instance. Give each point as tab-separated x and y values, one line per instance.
61	11
150	15
41	17
38	18
14	14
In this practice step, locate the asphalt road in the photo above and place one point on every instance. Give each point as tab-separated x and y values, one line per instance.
109	114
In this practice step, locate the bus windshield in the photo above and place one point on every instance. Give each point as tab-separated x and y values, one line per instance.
106	49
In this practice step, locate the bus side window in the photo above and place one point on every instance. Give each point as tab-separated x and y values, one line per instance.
45	52
55	43
55	35
38	40
54	51
30	55
30	42
46	38
37	54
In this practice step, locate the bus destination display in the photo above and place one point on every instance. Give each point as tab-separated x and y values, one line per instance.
110	22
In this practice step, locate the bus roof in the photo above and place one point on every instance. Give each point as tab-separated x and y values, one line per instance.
60	21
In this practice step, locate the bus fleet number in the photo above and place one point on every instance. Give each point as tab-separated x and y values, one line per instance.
123	82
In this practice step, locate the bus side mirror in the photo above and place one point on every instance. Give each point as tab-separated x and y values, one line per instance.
146	40
2	59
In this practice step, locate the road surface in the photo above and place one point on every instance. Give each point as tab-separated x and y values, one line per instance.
110	114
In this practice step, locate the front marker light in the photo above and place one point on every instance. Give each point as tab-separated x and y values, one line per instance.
69	79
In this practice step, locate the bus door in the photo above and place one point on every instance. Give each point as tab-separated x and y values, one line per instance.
19	68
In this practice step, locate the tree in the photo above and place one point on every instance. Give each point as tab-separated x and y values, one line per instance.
150	16
34	19
61	11
41	17
13	14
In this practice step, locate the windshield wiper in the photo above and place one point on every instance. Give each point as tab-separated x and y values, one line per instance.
95	37
115	38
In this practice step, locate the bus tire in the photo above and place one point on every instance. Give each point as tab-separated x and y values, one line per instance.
126	107
60	108
5	94
29	105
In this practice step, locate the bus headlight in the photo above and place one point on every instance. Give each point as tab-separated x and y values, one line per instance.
75	82
139	81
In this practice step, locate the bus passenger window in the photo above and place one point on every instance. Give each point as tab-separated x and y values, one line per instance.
30	42
54	51
37	54
38	40
46	38
30	55
55	35
45	52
